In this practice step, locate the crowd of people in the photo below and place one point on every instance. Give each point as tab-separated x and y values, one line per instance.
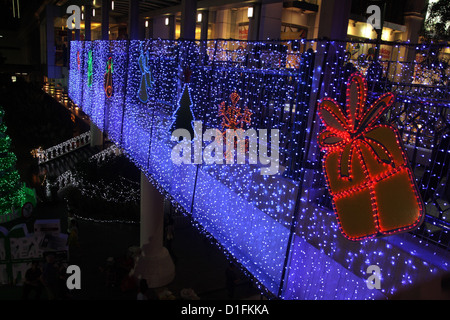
46	280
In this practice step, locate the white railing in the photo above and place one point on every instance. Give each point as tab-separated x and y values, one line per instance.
67	178
104	154
62	148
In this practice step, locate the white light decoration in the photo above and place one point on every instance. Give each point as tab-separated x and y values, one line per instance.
112	5
63	148
166	21
199	17
146	23
276	227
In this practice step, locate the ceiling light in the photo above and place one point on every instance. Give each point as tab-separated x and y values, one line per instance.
250	12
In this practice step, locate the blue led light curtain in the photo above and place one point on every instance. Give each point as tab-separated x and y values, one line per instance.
323	265
277	226
247	213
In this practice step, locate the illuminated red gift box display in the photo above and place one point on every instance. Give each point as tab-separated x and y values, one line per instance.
366	169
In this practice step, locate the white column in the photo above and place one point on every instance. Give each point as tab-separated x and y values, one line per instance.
149	29
332	19
413	22
87	22
96	136
106	5
223	24
254	23
188	19
133	19
204	25
270	21
154	264
160	29
172	26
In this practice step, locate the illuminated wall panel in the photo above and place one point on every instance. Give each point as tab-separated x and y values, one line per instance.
75	72
279	227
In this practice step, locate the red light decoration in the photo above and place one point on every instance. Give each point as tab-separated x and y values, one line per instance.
233	118
365	166
108	77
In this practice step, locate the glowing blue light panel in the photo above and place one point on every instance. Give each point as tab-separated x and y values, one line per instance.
274	226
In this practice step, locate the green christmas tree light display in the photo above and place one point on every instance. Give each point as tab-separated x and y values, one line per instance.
12	190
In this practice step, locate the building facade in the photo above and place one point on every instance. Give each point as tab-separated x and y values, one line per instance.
227	19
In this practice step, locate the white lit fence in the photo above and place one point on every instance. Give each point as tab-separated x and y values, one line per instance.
63	148
68	178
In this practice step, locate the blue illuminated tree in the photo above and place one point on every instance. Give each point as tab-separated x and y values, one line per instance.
183	115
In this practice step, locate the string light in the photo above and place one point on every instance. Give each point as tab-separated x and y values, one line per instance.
362	162
276	227
122	191
12	190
